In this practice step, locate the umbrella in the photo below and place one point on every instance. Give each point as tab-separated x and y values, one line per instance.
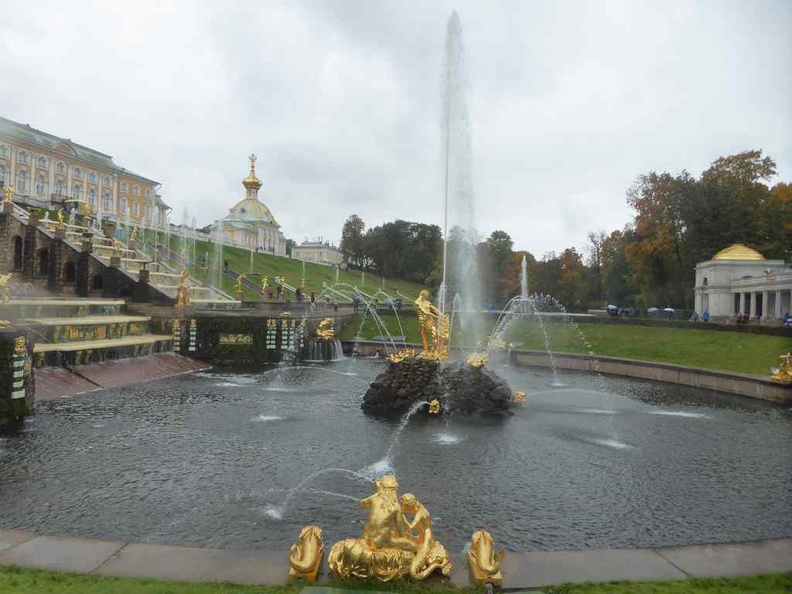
611	307
652	310
669	310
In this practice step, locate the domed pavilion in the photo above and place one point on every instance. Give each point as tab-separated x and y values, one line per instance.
249	223
739	283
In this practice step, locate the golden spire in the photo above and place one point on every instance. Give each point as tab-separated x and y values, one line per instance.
251	182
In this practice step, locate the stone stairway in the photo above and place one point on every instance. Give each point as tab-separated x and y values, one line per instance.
81	345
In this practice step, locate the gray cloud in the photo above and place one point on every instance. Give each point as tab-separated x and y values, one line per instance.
569	101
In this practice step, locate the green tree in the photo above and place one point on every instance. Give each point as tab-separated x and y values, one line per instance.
352	241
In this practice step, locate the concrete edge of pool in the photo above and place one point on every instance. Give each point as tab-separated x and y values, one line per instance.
270	568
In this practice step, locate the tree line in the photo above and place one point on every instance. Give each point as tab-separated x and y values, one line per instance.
679	221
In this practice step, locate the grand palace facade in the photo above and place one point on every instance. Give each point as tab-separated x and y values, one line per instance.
47	171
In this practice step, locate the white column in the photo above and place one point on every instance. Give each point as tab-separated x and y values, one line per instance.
51	187
766	315
32	176
12	178
753	295
778	313
114	185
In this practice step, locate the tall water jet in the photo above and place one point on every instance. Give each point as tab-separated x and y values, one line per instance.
462	274
524	278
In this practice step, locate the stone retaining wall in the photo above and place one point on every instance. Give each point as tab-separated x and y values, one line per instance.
753	386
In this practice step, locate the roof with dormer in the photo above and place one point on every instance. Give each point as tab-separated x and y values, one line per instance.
26	133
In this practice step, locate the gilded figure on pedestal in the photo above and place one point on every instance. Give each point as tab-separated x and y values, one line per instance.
434	326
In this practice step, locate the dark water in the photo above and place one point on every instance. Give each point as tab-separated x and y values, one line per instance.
208	460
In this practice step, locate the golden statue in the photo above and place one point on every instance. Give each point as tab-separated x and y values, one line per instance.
401	355
303	282
389	549
183	291
306	557
477	360
325	329
784	373
116	247
60	219
518	397
434	407
484	561
264	284
9	195
133	236
239	280
5	292
434	325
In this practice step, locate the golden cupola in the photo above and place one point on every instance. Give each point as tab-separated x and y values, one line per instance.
738	251
251	182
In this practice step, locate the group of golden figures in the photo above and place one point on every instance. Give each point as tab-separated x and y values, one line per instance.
397	543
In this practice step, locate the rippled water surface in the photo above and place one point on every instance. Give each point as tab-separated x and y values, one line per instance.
218	458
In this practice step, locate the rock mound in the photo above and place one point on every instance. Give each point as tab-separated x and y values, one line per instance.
460	388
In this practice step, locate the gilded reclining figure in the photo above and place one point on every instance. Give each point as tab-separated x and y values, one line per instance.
389	549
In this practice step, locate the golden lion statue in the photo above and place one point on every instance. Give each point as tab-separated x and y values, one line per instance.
306	557
483	560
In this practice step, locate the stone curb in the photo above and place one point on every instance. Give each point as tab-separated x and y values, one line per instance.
521	570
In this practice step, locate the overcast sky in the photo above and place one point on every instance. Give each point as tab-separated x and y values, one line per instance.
340	100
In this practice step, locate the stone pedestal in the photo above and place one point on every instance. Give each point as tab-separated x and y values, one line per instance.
109	228
238	295
143	276
133	244
33	219
115	261
8	207
60	232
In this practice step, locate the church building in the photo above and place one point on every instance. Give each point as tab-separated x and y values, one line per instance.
250	224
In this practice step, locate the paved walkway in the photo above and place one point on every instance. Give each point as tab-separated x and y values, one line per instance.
520	570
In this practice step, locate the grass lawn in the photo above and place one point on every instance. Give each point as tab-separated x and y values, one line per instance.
30	581
726	351
271	266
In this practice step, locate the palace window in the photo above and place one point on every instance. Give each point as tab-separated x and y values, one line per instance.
23	158
3	152
92	177
76	191
2	173
77	173
21	183
136	190
122	205
61	168
41	162
124	186
148	192
40	185
106	180
107	201
135	208
148	211
60	187
92	197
